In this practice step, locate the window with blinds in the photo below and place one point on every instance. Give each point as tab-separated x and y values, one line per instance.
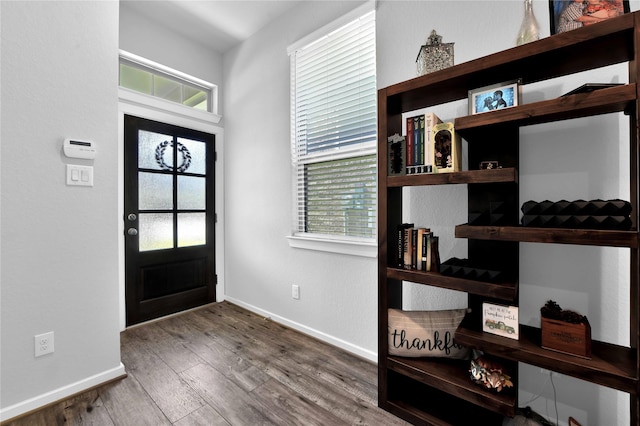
333	120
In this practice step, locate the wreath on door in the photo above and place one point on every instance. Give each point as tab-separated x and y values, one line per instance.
182	150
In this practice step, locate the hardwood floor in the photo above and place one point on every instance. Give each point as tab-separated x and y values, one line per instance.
223	365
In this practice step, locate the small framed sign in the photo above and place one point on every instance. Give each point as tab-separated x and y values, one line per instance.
500	320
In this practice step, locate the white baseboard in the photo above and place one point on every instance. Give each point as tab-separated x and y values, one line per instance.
356	350
61	394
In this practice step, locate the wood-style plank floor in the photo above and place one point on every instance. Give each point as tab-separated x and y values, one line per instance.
223	365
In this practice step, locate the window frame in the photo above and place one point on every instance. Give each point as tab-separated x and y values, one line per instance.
358	246
159	70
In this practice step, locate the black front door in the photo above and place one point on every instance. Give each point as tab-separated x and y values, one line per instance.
169	219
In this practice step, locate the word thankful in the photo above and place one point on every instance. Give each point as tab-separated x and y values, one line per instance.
399	341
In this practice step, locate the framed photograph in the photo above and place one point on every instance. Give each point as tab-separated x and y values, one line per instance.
497	96
567	15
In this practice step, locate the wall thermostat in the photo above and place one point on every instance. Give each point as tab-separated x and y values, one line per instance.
76	148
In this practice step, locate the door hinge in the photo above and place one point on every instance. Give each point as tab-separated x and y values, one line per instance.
215	155
215	217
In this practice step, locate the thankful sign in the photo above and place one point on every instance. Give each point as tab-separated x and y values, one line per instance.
425	333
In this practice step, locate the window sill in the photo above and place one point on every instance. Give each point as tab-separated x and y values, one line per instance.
331	245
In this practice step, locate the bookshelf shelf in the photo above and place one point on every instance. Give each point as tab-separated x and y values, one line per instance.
506	175
502	291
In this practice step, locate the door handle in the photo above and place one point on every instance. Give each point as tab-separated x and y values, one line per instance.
132	231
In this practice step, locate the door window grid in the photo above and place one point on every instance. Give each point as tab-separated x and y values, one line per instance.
172	200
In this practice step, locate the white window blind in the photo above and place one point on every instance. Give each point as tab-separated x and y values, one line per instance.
334	124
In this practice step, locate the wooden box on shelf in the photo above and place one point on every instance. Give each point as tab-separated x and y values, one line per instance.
565	337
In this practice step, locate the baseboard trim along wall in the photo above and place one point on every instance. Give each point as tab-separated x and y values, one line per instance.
65	392
356	350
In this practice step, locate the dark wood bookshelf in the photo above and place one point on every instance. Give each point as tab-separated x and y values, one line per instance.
602	101
610	365
417	389
509	174
502	291
591	237
452	377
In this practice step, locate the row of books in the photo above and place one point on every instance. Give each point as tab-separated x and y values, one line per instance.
417	248
427	145
418	136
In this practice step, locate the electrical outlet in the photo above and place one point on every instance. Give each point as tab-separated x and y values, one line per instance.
295	291
43	344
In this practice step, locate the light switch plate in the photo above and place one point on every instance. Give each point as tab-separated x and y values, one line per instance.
79	175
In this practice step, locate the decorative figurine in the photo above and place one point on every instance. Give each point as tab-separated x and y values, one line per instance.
434	55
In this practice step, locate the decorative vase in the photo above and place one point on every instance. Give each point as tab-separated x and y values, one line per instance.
529	30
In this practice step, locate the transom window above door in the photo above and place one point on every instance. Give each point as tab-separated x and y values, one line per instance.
150	78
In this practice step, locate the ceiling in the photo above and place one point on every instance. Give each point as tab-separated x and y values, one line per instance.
218	24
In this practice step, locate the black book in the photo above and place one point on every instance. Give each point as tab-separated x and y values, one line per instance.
402	244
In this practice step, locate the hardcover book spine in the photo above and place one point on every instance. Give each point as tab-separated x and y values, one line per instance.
407	247
416	140
428	248
409	142
401	243
421	145
435	255
421	252
414	248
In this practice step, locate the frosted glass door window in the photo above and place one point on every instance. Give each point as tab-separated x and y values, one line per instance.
192	192
156	231
155	191
172	190
198	155
155	151
192	229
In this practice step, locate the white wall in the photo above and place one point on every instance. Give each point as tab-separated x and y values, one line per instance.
338	292
59	243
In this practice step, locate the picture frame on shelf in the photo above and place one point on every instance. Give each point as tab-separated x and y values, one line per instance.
495	97
567	15
500	320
